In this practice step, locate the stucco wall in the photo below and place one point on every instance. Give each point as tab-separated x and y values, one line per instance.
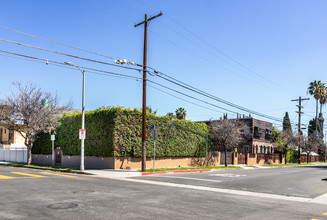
75	161
41	159
136	163
235	159
18	138
251	160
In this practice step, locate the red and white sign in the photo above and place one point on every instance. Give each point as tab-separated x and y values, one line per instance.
82	133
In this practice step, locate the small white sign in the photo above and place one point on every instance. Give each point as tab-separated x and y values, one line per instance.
82	133
53	137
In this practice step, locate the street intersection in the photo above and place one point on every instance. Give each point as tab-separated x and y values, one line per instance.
279	193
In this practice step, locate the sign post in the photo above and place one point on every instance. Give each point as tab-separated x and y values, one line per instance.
53	137
154	136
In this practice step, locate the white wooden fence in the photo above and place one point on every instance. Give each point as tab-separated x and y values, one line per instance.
18	155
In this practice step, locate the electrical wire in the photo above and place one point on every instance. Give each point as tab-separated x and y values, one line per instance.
55	42
166	87
56	62
123	75
193	89
106	72
184	99
233	62
69	55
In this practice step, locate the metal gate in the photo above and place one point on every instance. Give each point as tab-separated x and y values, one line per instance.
229	158
241	158
58	154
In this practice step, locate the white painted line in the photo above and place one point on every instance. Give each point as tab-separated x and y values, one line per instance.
190	178
319	200
228	175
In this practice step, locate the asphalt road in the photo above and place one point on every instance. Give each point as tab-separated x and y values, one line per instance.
302	181
214	195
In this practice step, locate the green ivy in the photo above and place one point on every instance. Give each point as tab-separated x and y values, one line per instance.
117	132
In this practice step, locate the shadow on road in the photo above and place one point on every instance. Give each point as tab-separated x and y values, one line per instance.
313	166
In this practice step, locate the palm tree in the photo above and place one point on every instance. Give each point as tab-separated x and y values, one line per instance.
323	98
315	88
180	113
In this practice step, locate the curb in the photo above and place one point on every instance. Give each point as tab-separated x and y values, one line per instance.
175	171
51	169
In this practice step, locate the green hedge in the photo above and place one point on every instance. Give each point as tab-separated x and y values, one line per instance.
117	132
292	155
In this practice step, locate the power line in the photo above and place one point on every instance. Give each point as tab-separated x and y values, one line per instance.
184	85
20	32
184	99
69	55
239	64
166	87
127	76
56	62
225	55
193	89
55	42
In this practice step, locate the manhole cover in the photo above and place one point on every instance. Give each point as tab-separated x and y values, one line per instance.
62	206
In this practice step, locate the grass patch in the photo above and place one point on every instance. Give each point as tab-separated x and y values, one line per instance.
188	168
289	164
38	166
250	166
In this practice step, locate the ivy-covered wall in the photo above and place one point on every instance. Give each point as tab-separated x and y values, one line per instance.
117	132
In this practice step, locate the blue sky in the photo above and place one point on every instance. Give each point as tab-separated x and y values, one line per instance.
279	47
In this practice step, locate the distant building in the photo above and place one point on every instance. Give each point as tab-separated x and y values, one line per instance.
9	136
260	140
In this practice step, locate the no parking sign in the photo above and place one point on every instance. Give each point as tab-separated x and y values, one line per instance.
82	133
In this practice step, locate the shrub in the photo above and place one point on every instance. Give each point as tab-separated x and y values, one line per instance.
117	132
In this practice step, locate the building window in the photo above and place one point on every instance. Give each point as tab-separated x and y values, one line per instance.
11	134
268	134
5	131
256	132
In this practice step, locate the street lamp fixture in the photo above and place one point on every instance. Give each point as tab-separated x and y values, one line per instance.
82	137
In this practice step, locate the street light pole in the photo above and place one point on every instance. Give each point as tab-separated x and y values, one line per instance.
83	113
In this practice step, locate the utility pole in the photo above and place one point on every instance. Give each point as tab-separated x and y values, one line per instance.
299	124
145	22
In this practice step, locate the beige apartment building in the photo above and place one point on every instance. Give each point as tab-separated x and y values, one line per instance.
9	136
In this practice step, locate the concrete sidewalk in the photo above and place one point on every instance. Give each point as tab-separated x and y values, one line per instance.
108	173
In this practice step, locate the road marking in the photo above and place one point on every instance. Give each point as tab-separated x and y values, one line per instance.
228	175
324	213
56	174
6	177
314	219
27	174
190	178
318	200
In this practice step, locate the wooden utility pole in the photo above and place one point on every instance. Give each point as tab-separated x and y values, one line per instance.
299	124
145	22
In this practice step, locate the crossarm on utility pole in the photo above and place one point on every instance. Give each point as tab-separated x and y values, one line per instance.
153	17
299	123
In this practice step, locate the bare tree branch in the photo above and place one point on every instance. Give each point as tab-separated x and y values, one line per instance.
28	116
228	134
